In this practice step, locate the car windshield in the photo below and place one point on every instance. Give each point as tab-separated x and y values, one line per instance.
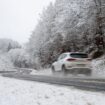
79	55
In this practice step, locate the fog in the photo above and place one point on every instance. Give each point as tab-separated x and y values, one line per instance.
18	18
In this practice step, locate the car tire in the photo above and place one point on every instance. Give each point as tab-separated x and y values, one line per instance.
53	69
64	69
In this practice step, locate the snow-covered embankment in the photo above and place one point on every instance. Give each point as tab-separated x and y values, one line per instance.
19	92
99	67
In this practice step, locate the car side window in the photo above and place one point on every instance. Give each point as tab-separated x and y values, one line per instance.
62	56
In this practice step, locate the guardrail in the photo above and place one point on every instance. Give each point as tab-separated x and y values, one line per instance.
17	70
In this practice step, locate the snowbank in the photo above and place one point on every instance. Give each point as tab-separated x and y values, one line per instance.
99	66
41	72
5	63
18	92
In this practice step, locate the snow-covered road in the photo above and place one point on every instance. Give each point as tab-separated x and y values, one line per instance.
19	92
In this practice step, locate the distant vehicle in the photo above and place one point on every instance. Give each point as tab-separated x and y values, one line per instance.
73	62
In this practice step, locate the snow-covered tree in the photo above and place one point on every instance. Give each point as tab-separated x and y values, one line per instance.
19	57
67	25
5	63
8	44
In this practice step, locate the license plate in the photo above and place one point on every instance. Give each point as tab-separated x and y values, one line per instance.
81	65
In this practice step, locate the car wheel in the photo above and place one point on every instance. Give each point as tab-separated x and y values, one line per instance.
64	69
53	69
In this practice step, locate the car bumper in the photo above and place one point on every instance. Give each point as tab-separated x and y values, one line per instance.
78	66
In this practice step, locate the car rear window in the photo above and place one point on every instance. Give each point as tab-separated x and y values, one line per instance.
79	55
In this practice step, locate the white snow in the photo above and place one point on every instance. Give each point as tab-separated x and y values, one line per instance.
19	92
42	72
5	63
99	67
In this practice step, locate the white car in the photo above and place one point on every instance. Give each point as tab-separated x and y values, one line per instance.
74	62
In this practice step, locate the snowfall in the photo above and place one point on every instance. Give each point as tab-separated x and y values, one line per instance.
20	92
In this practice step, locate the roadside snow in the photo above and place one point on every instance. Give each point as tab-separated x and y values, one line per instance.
41	72
99	67
5	63
18	92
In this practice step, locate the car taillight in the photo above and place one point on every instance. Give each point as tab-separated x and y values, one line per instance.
71	59
89	59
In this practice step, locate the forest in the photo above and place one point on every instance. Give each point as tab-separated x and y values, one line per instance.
64	26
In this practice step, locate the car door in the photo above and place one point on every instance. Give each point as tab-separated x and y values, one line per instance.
60	61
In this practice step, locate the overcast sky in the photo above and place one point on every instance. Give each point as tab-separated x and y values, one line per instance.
19	17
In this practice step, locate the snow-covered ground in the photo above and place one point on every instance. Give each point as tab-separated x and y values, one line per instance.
19	92
5	63
42	72
99	67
